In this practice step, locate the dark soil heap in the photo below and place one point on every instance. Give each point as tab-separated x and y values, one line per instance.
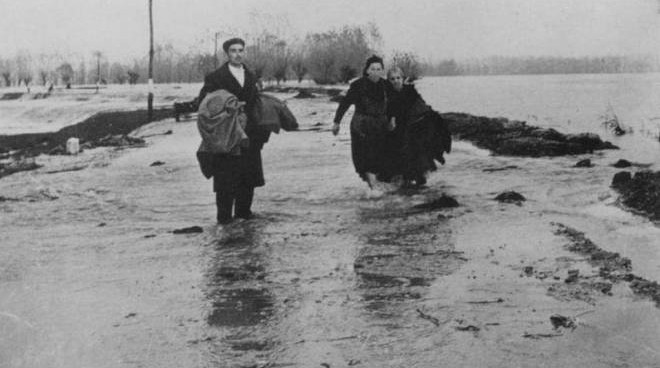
304	91
500	135
640	192
96	128
611	266
516	138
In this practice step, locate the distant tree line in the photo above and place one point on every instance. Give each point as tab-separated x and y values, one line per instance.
170	65
334	56
498	65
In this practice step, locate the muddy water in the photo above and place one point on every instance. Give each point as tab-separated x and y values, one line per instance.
568	103
325	281
328	274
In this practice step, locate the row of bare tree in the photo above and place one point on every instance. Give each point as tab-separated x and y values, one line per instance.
335	56
500	65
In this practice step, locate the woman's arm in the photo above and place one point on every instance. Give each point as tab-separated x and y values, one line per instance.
344	104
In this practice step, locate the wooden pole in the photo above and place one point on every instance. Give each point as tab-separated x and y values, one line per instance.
150	99
215	51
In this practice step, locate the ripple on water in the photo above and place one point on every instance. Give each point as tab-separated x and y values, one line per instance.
240	307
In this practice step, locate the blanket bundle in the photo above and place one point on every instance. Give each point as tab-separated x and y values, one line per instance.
221	122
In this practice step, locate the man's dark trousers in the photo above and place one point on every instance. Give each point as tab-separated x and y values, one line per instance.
240	197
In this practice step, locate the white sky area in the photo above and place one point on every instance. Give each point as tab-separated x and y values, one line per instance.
435	29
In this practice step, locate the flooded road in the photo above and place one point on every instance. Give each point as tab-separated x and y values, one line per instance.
325	281
327	274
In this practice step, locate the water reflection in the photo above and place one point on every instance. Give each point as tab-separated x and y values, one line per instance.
404	250
239	296
240	307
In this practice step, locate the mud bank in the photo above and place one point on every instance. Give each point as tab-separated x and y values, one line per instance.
612	267
641	192
105	129
515	138
499	135
19	95
98	126
305	92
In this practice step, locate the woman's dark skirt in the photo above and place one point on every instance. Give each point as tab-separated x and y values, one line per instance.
368	143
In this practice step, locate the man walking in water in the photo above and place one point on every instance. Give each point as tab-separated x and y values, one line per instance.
236	176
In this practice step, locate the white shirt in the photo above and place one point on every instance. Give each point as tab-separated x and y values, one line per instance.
239	73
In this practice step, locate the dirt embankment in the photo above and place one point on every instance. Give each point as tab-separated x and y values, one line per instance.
98	126
306	92
640	192
516	138
102	129
499	135
612	267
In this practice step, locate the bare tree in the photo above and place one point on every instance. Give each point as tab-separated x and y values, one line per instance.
5	71
322	58
82	73
6	75
298	65
23	63
133	76
205	63
98	55
260	54
66	74
44	63
339	55
281	59
267	51
117	73
408	63
43	76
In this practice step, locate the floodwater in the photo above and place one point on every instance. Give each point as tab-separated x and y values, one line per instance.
375	282
328	274
568	103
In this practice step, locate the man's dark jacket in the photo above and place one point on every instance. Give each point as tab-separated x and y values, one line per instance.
230	172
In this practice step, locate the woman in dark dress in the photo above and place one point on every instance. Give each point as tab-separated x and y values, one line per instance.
369	124
419	138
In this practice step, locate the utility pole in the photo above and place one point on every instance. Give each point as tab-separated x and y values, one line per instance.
215	52
150	98
98	69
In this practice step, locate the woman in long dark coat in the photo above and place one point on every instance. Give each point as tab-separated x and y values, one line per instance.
369	124
420	136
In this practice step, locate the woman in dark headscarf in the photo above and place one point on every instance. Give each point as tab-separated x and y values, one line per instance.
369	124
420	136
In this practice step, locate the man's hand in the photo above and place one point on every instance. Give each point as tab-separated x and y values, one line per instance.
335	128
392	124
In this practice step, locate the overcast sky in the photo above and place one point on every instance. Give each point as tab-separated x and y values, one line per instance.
436	29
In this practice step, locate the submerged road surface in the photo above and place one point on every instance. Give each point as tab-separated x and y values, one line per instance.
326	275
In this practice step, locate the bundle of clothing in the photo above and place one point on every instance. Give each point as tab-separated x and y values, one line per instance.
272	114
222	121
420	138
427	133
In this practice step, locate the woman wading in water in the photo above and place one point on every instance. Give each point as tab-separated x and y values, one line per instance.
370	124
420	136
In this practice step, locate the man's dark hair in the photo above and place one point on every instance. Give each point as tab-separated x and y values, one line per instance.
232	41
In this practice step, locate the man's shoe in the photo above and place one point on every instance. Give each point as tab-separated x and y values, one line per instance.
420	181
246	216
224	220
